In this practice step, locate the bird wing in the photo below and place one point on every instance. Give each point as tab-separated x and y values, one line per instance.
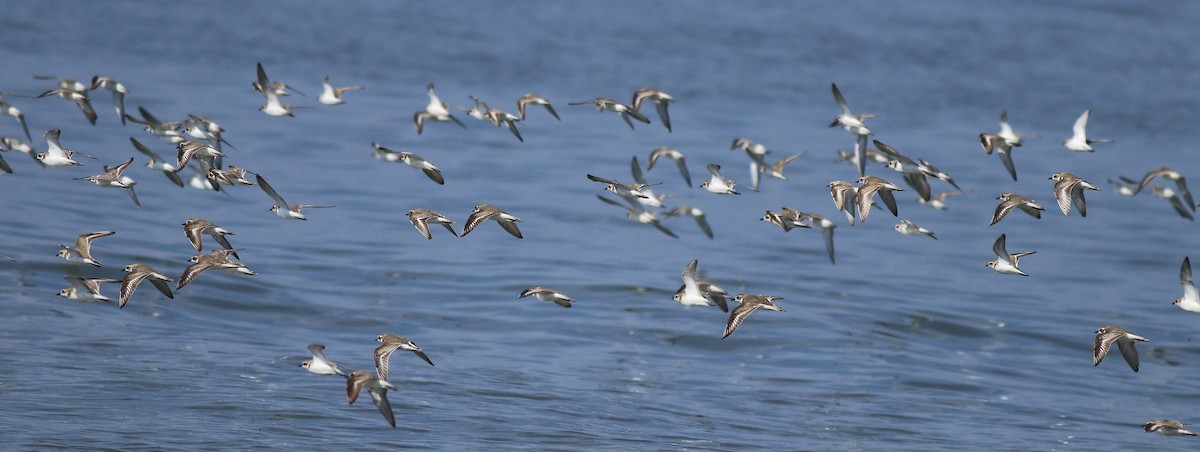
1129	352
1185	278
1080	127
1000	249
828	233
841	101
266	188
739	315
379	398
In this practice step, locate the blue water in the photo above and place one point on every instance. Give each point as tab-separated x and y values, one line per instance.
906	344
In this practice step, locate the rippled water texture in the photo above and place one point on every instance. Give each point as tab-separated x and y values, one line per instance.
907	343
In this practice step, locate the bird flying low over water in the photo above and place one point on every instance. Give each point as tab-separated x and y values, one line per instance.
1171	175
319	364
1107	335
216	260
118	92
1166	427
412	160
673	154
281	207
1079	142
56	155
273	107
1010	201
749	304
195	228
435	110
85	289
81	253
844	194
661	101
8	109
607	104
691	294
113	178
376	387
909	228
1190	301
530	98
868	186
420	219
389	343
135	274
856	126
639	213
1006	263
547	294
158	163
333	96
484	212
1068	189
695	213
718	184
73	91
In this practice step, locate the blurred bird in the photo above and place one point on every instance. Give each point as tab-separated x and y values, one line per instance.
75	92
661	101
135	274
272	90
909	228
1079	141
696	214
606	104
333	96
637	212
672	154
118	92
718	184
530	98
412	160
868	186
435	110
1171	175
10	110
158	163
856	126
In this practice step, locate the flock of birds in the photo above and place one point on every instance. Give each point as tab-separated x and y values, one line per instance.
200	148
